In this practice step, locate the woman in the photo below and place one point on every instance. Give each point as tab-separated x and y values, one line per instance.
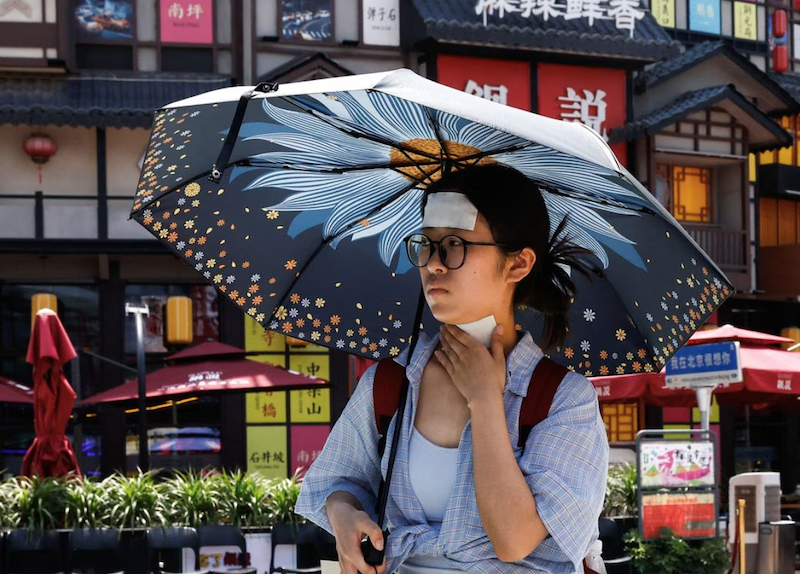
463	495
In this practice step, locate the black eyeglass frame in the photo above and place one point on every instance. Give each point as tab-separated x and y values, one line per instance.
438	246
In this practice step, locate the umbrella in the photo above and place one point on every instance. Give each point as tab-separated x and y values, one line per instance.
49	348
227	371
13	392
294	202
770	375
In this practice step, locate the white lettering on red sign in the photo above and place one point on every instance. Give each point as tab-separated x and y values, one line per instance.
497	94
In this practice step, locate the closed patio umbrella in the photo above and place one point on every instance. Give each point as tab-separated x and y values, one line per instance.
51	453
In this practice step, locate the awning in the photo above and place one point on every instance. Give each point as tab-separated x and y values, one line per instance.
13	392
96	98
458	23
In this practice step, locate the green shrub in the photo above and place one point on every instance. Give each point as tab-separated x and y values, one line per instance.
670	554
138	502
192	499
244	499
37	503
621	491
283	498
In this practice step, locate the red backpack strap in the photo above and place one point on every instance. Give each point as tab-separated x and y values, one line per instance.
386	390
546	378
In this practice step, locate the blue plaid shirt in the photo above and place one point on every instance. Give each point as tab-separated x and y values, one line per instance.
565	462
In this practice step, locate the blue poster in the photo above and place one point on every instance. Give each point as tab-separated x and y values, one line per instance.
704	16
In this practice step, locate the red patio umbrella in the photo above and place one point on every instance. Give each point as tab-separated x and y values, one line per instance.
770	375
210	367
49	348
14	392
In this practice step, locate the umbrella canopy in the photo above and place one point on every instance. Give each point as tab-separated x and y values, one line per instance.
51	453
330	174
14	392
769	375
207	349
213	375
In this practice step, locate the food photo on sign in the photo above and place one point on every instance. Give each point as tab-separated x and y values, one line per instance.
104	20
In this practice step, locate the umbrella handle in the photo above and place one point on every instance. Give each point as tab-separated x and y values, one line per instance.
218	169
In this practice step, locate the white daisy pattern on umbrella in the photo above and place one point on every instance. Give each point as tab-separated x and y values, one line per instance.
401	136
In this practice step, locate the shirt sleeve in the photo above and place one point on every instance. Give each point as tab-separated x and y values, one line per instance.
565	462
349	460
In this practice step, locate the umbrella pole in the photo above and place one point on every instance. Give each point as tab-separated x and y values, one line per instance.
140	312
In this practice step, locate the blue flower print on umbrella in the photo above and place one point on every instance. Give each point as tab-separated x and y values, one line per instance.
318	183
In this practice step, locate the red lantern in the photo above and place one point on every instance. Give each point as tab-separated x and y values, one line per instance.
780	59
779	23
41	148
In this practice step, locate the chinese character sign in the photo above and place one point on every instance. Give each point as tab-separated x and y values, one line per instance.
267	451
595	97
623	13
311	406
704	16
307	442
500	81
265	407
705	365
673	463
256	338
187	22
380	20
745	21
664	12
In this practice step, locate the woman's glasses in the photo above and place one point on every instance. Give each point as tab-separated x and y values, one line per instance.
452	249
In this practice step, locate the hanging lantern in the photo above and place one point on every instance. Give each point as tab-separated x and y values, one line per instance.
779	23
780	59
178	321
40	147
41	301
791	333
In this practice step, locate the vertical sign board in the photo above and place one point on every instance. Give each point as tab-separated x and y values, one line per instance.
380	21
745	21
187	22
704	16
267	451
664	12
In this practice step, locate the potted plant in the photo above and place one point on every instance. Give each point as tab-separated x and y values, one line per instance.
670	554
192	499
37	503
621	503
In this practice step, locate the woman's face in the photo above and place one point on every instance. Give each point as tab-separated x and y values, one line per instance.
480	287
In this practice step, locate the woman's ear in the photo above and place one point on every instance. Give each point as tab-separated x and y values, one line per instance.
521	265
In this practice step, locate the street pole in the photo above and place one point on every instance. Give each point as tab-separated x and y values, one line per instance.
703	394
140	312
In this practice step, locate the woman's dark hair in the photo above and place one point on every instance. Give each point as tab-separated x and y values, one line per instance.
513	206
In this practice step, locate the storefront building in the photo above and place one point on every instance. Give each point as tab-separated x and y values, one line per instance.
688	95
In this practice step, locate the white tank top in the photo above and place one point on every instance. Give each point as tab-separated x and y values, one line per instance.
432	473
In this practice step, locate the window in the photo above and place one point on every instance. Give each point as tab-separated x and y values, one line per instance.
205	314
686	191
155	36
306	20
779	221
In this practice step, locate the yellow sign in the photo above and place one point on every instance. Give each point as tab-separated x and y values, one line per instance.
314	365
745	21
256	338
311	406
266	407
278	359
307	347
664	12
267	451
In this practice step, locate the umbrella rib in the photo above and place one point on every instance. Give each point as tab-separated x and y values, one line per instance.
330	239
435	131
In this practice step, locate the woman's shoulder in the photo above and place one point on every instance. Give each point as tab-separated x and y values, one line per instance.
575	390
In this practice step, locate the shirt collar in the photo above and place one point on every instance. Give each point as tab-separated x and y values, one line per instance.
520	363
